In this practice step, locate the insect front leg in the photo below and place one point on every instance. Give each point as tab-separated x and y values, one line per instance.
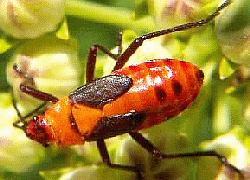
30	90
21	123
38	94
146	144
105	158
91	62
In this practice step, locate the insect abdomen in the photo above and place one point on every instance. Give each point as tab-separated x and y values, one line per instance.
161	88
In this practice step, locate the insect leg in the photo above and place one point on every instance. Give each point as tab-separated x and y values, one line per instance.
21	123
92	60
158	154
31	91
119	43
93	53
124	57
105	157
38	94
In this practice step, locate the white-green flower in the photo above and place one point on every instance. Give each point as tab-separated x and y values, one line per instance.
30	19
17	152
234	145
174	12
233	32
51	63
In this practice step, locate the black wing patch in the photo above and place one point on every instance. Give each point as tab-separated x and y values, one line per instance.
101	91
117	124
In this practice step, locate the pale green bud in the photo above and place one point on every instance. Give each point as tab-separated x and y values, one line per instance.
51	65
233	32
17	152
174	12
234	145
29	19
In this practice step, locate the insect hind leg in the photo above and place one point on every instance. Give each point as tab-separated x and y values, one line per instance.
105	157
146	144
124	57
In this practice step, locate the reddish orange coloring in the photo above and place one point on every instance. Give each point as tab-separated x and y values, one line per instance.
161	89
154	90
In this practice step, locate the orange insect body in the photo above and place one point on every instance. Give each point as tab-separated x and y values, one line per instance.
161	89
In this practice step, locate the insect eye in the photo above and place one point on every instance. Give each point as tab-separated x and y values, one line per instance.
35	118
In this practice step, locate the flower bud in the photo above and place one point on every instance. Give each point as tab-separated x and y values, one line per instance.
174	12
235	146
48	64
17	152
29	19
233	32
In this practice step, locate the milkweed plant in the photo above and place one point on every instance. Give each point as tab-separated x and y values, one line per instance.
49	40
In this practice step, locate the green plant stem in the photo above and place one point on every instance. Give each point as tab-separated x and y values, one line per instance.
110	15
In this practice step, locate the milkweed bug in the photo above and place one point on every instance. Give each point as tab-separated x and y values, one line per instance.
128	100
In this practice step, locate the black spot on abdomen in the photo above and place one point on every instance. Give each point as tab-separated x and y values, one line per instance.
177	87
160	93
200	76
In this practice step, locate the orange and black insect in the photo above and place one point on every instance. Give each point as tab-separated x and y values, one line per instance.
130	99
